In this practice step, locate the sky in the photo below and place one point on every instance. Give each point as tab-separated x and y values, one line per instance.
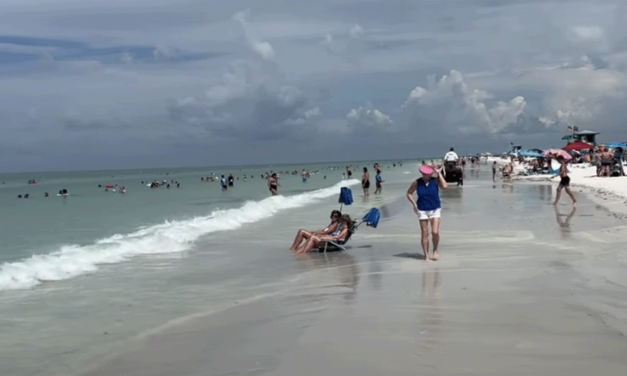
95	84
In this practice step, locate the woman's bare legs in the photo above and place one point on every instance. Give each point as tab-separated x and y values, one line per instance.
435	236
424	237
312	243
300	236
557	195
572	196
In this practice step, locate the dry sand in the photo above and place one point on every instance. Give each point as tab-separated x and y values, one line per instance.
542	296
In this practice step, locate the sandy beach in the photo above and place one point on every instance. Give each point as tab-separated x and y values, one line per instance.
522	288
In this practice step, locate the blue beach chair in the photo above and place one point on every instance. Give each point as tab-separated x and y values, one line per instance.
371	219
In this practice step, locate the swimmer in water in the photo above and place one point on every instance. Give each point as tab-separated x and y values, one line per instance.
273	183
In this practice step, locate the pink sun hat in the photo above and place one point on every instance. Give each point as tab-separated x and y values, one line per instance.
427	170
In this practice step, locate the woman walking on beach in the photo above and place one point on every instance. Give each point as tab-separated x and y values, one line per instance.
427	206
564	182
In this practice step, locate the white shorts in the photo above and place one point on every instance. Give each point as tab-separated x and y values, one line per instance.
429	214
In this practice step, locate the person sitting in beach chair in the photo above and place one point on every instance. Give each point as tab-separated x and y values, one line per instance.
337	239
304	235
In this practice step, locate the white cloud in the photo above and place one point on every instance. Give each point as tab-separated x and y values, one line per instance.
356	31
451	103
589	33
368	117
308	116
313	112
261	48
127	58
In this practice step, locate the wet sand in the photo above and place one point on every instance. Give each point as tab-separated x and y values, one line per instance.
522	288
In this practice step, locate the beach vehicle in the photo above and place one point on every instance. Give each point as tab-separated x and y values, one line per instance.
453	173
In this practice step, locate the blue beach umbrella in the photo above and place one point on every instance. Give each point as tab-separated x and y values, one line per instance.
530	153
346	197
372	218
615	145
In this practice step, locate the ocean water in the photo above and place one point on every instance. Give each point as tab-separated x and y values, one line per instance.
82	274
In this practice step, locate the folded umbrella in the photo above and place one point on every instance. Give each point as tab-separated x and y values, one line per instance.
346	197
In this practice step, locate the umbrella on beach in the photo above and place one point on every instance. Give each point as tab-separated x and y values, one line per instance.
578	145
346	197
530	153
616	145
557	153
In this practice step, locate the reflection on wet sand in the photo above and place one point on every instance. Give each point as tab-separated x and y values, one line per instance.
343	263
452	193
430	315
375	273
508	188
564	224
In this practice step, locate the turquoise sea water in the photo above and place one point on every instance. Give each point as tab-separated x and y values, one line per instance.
80	274
84	277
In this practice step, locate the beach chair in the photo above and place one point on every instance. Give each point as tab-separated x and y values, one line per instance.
339	246
371	219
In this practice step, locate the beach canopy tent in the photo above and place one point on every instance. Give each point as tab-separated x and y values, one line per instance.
578	145
531	153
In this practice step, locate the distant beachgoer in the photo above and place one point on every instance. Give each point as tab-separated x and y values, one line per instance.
378	182
427	206
224	183
564	182
340	235
507	171
19	196
46	194
365	182
231	180
304	175
273	183
607	160
349	173
494	168
303	234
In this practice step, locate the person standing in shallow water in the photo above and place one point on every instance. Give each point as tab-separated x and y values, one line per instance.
365	182
273	184
564	182
427	206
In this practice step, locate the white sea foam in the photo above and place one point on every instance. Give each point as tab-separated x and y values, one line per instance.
172	236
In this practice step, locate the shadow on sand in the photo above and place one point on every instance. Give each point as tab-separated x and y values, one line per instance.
417	256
